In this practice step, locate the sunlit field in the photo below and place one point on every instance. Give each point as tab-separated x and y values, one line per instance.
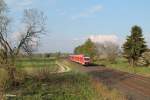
122	65
35	62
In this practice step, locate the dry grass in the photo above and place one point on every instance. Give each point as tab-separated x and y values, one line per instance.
102	91
106	93
3	80
39	73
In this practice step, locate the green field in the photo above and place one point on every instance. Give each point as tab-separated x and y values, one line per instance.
35	62
122	64
30	65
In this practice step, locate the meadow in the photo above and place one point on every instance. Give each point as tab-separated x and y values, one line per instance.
122	65
35	62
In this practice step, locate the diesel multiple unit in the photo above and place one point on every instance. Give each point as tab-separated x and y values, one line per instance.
81	59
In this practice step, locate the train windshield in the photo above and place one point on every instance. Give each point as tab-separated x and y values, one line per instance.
87	58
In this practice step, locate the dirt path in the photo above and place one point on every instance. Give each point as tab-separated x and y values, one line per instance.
136	87
63	68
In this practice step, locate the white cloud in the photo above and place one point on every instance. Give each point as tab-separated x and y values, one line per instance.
16	36
90	11
95	9
104	38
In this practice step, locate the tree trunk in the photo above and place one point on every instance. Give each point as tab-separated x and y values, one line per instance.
12	70
1	93
132	62
12	74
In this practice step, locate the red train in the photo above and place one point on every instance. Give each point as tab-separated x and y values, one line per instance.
81	59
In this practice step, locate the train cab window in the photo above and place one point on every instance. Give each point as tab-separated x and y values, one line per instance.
87	58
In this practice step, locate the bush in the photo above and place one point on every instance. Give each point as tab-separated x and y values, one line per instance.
144	60
141	62
3	81
41	73
20	76
146	56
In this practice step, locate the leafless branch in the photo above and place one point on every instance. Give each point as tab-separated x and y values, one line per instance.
34	25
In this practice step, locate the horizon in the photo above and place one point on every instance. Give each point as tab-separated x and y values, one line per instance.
70	23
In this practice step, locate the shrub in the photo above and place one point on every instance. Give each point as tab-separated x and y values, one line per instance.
146	56
144	60
3	81
41	73
141	62
20	76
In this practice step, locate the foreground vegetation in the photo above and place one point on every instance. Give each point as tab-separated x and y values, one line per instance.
43	84
68	86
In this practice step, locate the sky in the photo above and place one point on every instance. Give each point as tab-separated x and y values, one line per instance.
71	22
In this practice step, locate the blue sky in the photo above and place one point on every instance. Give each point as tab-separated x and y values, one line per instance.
71	22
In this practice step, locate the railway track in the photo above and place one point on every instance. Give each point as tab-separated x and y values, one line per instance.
136	87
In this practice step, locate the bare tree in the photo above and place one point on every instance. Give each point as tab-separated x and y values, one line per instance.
4	22
112	51
108	50
33	25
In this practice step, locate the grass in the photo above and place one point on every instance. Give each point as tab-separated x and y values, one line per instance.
102	90
73	85
30	64
35	62
66	86
122	65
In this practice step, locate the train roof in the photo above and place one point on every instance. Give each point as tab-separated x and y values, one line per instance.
86	57
77	55
80	55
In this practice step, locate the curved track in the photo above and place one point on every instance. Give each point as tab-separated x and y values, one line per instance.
136	87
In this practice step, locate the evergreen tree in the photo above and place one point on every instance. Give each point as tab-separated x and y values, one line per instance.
134	46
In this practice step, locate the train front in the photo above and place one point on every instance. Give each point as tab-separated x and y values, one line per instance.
87	60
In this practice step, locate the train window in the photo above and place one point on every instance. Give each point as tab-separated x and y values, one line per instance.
86	58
